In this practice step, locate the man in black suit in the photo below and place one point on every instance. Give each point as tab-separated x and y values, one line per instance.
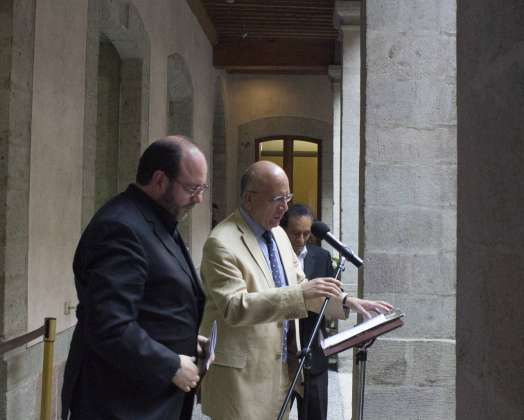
133	350
315	262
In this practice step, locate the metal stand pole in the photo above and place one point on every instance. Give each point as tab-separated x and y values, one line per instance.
307	350
362	356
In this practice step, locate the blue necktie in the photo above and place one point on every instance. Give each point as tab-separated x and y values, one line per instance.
279	282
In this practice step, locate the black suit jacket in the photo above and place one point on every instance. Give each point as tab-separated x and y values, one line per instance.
317	263
140	306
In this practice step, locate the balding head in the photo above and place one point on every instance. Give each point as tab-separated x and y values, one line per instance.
260	175
165	155
173	171
265	193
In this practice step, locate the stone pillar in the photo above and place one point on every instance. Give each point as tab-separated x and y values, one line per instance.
409	203
347	19
490	287
16	94
335	74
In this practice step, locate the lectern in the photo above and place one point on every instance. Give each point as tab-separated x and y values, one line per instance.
362	336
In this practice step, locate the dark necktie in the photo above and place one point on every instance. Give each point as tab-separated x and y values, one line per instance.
279	282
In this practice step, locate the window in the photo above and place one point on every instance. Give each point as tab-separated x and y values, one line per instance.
300	159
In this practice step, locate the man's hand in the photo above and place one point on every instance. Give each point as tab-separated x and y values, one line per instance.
364	307
321	287
187	375
202	344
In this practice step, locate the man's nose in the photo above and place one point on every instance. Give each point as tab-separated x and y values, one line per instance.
198	197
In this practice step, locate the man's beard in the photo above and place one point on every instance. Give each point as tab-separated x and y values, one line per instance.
179	213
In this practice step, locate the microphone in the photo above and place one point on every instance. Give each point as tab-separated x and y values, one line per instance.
321	231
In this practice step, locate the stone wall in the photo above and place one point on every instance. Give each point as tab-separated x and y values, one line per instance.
17	25
408	203
490	314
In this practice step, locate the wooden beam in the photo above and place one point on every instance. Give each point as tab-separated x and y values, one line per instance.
200	13
283	54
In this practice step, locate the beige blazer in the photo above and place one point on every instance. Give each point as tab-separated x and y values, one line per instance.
243	382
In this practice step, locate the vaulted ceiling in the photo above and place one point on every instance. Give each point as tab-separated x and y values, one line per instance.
290	36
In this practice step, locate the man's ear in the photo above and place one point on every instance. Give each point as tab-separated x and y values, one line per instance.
247	200
159	181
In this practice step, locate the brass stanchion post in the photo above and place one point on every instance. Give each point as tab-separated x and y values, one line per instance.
47	371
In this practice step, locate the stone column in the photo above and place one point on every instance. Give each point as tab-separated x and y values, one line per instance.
409	170
347	19
490	251
347	153
335	74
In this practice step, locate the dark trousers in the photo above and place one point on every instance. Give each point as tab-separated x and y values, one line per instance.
316	398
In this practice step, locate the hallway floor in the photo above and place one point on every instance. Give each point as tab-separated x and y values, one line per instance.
339	404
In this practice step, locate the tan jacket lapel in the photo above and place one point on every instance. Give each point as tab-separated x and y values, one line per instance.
250	241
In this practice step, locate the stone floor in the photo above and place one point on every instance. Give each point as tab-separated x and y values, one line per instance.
339	402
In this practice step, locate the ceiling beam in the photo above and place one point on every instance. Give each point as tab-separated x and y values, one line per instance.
282	55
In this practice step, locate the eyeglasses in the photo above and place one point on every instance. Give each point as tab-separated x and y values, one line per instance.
193	189
283	199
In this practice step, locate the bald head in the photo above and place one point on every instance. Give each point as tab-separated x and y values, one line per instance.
166	155
265	193
261	175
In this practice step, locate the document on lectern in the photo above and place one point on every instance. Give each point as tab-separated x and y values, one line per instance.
363	332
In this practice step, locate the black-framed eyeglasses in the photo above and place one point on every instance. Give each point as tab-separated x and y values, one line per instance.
283	198
192	189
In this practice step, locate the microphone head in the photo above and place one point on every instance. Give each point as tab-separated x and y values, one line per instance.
319	229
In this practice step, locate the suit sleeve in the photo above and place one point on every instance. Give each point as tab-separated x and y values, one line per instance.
225	284
113	273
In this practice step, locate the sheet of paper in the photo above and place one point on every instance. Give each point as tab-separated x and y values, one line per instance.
211	346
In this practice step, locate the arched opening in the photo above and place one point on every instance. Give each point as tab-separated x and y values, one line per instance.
180	114
116	102
302	128
180	97
219	199
107	122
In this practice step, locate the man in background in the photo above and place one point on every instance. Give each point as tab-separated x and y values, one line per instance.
140	300
314	262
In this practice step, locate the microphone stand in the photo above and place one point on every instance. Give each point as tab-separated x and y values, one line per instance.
362	357
305	353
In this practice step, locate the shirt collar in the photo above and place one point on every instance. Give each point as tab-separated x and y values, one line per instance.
254	226
303	253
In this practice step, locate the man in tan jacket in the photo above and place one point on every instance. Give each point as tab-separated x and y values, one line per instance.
254	289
